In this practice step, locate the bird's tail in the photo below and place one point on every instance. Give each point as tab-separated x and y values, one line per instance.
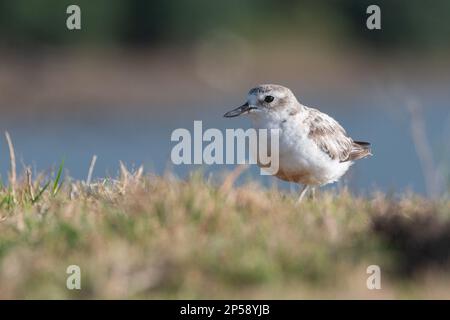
360	150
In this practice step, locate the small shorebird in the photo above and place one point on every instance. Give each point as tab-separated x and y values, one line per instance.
314	149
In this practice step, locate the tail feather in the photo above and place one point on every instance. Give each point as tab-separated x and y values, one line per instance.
360	150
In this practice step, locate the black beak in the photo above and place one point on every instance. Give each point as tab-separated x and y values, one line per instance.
238	111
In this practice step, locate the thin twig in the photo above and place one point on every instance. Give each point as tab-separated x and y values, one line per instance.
423	149
30	183
138	173
231	178
91	170
12	174
124	174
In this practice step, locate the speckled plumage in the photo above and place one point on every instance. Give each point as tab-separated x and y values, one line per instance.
314	148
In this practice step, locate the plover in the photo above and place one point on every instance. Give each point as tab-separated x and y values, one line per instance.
314	149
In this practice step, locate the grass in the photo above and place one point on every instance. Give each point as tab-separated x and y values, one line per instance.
145	236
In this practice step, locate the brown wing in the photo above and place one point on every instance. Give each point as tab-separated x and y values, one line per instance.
332	139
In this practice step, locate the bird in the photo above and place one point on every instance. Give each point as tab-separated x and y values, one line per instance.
314	149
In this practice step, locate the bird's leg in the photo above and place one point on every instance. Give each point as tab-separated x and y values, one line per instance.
302	193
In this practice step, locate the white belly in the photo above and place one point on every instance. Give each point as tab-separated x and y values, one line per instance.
300	159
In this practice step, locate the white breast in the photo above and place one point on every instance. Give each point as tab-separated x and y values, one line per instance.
300	158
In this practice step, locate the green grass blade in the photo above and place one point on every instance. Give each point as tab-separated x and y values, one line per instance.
41	192
57	184
4	200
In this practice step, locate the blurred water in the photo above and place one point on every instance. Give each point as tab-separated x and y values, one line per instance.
145	139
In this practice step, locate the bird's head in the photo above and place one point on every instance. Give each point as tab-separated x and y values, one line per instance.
266	99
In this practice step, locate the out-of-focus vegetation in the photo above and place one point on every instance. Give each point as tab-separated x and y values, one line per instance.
158	237
405	24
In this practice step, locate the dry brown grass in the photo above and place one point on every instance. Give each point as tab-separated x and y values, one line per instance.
145	236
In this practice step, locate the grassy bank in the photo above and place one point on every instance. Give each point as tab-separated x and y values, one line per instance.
143	236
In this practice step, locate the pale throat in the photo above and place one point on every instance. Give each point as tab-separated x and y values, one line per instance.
276	118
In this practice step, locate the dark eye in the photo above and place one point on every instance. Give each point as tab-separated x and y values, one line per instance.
269	99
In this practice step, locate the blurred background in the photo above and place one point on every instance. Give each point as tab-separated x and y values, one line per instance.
139	69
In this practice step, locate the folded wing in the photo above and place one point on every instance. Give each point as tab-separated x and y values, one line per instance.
332	139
